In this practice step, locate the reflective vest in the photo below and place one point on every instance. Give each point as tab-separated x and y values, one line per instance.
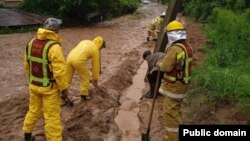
182	71
37	57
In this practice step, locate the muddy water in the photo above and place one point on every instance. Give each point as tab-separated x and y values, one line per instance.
123	35
127	118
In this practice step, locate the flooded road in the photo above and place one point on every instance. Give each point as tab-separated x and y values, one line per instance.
97	119
127	118
122	35
11	17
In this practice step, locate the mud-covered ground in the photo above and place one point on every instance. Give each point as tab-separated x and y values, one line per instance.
92	120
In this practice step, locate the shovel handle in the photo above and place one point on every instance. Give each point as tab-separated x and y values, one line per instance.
153	103
71	104
105	93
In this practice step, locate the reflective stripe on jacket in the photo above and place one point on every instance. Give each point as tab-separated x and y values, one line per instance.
56	58
182	70
37	57
171	95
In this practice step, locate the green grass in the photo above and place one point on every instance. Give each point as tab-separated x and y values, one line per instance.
225	76
21	29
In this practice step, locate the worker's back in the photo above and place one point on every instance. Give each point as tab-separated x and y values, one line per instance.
83	51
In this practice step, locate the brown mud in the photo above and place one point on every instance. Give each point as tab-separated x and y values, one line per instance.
94	120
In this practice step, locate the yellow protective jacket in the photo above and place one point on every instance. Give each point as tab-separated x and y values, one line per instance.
55	56
88	49
168	63
155	25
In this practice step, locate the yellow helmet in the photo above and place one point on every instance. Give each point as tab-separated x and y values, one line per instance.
174	25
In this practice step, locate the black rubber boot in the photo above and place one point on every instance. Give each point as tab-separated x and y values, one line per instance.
28	137
150	94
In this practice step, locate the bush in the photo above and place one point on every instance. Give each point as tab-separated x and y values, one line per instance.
45	7
201	9
225	73
230	35
165	1
80	9
118	7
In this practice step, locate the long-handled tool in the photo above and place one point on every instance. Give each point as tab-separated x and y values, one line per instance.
67	101
145	136
106	93
71	104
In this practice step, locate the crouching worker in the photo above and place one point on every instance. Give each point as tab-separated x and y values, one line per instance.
45	65
154	27
152	71
77	60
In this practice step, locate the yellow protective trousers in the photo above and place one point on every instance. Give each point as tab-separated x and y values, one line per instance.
171	117
47	101
151	31
81	67
152	34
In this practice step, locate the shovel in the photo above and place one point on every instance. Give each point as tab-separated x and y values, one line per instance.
145	136
68	102
71	104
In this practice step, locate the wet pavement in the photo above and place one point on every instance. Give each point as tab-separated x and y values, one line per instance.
13	17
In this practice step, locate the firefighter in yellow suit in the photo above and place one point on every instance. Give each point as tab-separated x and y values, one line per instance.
45	65
154	27
176	66
77	60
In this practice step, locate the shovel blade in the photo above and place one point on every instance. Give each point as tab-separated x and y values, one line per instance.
145	137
